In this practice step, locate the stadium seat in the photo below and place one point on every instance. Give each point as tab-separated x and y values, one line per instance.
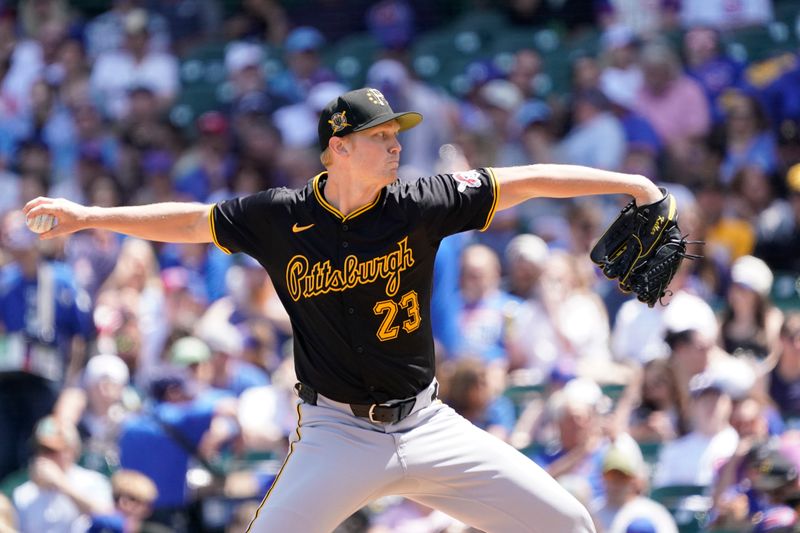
688	505
786	290
613	390
351	57
196	100
650	451
486	22
760	42
521	395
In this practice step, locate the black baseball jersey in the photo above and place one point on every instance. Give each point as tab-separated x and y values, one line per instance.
357	288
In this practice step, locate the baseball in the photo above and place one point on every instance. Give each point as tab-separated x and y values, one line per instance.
41	223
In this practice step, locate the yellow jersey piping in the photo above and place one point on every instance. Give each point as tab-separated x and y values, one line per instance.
495	198
214	230
328	207
283	466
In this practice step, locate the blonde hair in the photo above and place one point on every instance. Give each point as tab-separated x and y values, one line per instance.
326	158
136	484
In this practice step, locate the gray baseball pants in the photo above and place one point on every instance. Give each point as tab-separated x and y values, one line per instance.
337	463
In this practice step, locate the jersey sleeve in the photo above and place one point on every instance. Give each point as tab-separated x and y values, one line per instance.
452	203
243	224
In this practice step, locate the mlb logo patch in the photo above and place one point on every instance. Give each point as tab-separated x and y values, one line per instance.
470	178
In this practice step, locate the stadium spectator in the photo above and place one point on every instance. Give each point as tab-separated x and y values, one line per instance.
302	49
757	201
621	74
778	243
526	72
714	71
624	501
60	495
721	15
726	234
143	306
732	493
101	410
466	389
486	313
116	72
652	404
525	258
176	429
583	435
693	458
671	101
784	378
748	138
8	516
209	165
134	494
106	32
646	19
533	138
216	362
542	334
596	138
750	322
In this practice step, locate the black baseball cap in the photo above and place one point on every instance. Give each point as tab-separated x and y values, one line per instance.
358	110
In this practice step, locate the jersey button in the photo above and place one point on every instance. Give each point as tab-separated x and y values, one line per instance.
345	244
372	388
359	349
345	227
351	311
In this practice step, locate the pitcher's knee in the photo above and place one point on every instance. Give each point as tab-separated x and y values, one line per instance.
584	524
575	519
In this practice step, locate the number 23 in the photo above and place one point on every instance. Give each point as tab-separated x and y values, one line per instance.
388	330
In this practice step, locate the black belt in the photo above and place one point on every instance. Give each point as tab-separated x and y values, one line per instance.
390	412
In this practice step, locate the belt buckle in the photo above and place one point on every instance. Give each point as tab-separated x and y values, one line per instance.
372	411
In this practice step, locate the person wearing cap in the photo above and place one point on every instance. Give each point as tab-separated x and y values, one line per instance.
597	137
693	458
525	256
624	505
180	424
750	322
583	434
351	256
60	495
104	381
303	52
134	494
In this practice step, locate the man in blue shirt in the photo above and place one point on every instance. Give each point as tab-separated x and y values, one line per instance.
165	438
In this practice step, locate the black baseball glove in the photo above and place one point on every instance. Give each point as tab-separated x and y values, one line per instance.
643	248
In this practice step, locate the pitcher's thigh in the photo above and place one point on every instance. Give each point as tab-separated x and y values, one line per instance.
327	476
486	483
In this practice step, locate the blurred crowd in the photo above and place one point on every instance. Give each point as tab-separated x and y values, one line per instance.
148	386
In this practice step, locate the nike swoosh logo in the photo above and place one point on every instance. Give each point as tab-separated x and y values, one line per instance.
298	229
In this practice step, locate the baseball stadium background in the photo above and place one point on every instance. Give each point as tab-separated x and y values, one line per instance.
157	378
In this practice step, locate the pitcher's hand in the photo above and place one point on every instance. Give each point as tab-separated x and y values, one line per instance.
70	217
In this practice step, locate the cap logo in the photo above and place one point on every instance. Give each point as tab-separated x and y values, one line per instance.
376	97
338	122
